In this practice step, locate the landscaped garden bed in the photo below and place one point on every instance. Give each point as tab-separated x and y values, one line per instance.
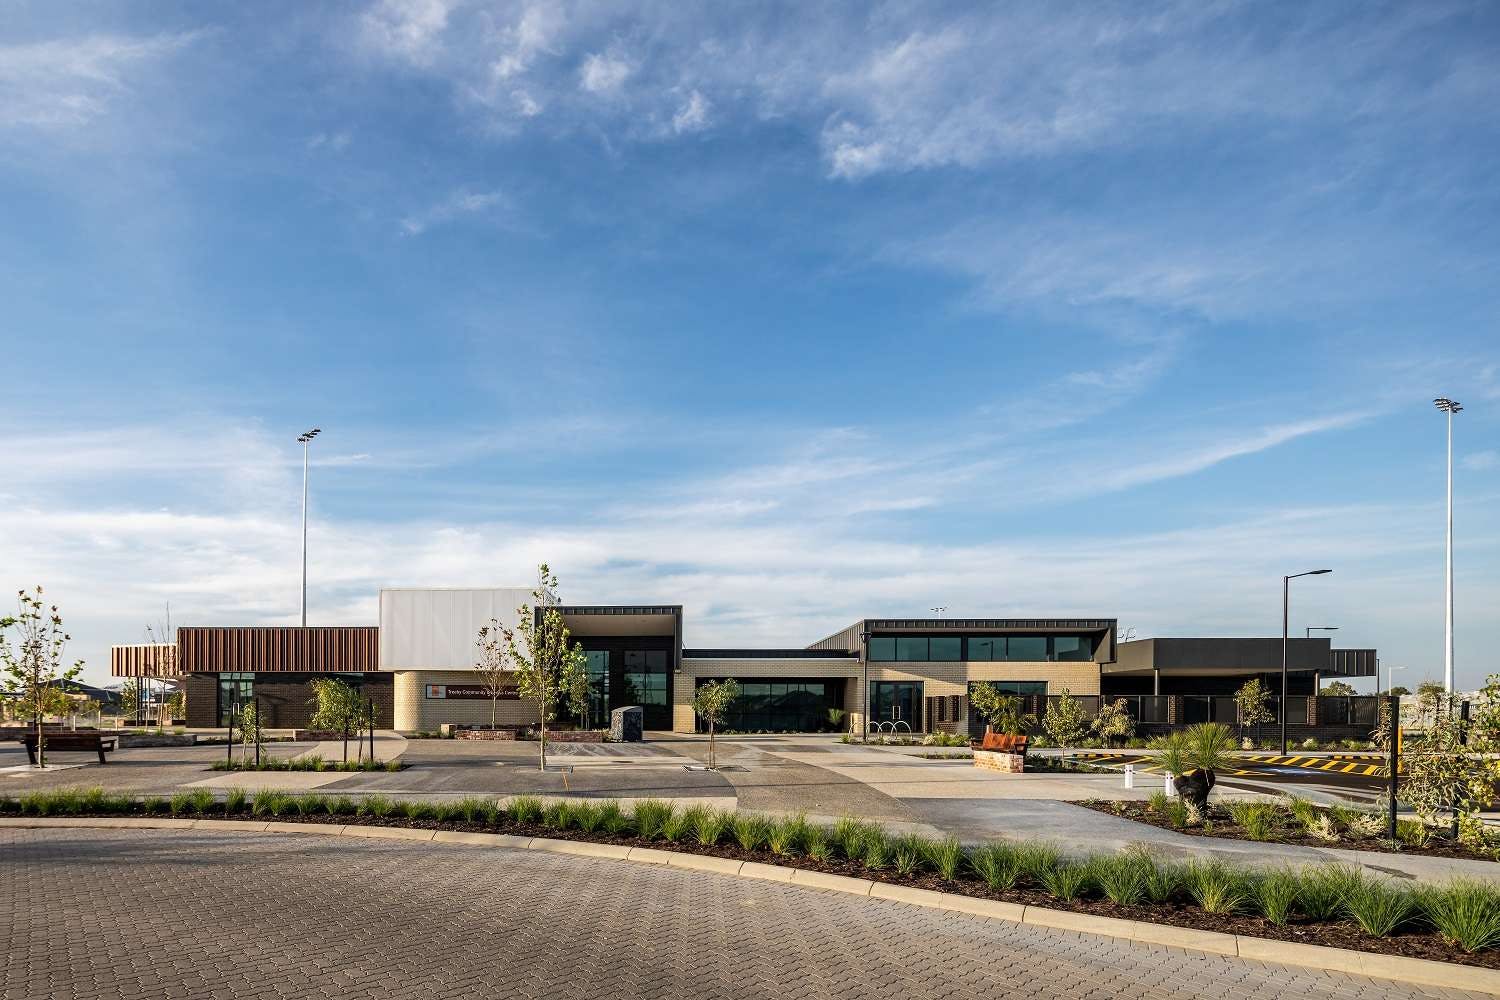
1336	906
309	762
1299	822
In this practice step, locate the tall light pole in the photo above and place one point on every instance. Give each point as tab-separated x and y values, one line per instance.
1286	584
1450	407
305	439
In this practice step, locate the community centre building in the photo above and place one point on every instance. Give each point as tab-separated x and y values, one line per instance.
418	669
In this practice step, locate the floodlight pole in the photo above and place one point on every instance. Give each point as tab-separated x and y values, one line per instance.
1450	407
305	439
1286	582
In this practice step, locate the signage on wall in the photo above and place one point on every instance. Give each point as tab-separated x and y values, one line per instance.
468	691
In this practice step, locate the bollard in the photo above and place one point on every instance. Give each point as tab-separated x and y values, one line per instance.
1129	775
1166	783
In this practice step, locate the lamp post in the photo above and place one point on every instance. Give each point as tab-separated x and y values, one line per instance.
1286	583
1450	407
305	439
864	662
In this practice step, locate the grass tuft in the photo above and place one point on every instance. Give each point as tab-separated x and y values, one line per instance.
1377	906
1466	913
710	827
525	809
751	831
997	864
946	857
1067	879
235	801
1121	877
649	816
1276	895
1215	887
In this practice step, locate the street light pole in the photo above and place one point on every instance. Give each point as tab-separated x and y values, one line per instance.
1286	584
1450	407
305	439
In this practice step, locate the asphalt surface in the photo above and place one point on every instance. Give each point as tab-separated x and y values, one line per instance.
219	916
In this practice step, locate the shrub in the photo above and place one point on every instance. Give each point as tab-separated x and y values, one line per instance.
191	803
416	810
525	809
1163	879
475	809
1323	828
1176	813
1378	907
341	805
1276	895
1365	825
818	844
907	853
375	805
849	835
680	825
393	765
997	864
787	836
751	831
613	820
1066	880
649	816
1121	877
1215	887
876	850
1466	913
1413	832
1321	891
945	857
1257	818
710	827
154	805
558	815
308	805
1036	861
1158	801
234	801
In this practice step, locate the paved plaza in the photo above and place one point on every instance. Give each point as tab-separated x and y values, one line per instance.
210	916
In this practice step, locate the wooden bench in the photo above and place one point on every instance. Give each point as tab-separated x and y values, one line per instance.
1004	743
80	742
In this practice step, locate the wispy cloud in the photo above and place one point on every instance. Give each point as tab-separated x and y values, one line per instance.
1482	460
458	205
70	82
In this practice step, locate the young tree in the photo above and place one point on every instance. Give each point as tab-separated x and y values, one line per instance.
1066	723
250	731
999	711
31	655
1114	722
1253	702
176	704
548	668
337	707
711	701
495	674
1338	689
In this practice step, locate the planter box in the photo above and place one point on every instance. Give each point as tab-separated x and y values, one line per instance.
128	741
575	736
995	760
509	734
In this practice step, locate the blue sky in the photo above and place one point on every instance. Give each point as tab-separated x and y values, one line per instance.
788	313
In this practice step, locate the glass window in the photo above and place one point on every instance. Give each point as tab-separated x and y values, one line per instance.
1022	688
944	647
882	648
1070	648
656	659
987	648
234	690
1026	648
911	647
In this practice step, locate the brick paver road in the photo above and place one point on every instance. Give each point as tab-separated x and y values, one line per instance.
126	914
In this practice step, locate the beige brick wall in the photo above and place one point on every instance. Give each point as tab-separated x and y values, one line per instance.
415	711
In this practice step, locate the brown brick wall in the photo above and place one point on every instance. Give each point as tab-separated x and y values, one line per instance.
283	702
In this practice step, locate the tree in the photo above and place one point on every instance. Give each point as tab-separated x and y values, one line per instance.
711	701
1451	773
1114	722
999	711
1398	690
1253	703
548	669
495	675
1066	723
1338	689
1192	758
31	655
337	707
250	731
176	704
131	697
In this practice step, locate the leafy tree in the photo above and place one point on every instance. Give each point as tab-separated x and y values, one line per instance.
495	675
1114	722
337	707
1338	689
548	668
31	661
250	731
1399	690
131	697
1253	702
1066	723
999	711
1451	774
1208	746
711	701
176	704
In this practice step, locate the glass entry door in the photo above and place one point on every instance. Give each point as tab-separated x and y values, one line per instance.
898	703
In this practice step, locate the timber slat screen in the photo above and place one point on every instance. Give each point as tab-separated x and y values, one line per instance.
144	660
287	649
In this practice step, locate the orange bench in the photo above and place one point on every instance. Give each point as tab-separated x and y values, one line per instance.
1004	743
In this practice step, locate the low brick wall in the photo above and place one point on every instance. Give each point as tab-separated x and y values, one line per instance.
576	736
994	760
484	734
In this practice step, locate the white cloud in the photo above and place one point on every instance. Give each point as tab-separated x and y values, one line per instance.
67	83
336	141
408	30
1481	460
603	74
455	206
692	116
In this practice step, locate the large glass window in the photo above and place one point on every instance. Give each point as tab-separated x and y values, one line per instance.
645	677
784	706
987	648
945	647
882	648
1069	648
597	667
1026	648
911	647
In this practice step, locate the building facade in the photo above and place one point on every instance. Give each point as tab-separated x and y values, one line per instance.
418	668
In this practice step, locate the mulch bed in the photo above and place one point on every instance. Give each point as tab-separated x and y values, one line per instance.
1342	934
1225	828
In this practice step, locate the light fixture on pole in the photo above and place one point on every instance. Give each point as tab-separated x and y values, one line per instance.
1286	583
305	439
1450	407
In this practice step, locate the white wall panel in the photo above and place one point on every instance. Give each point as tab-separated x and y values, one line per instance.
438	629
